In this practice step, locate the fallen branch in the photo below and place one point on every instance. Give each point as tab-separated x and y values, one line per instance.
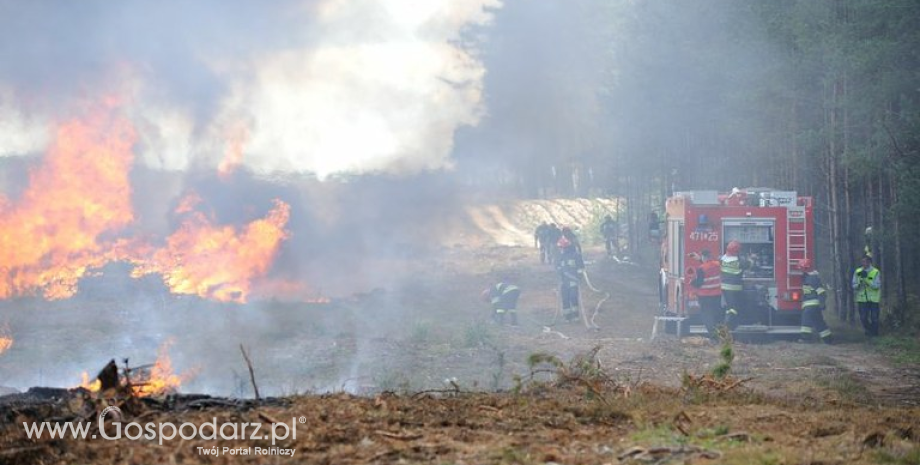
400	436
439	391
270	419
736	384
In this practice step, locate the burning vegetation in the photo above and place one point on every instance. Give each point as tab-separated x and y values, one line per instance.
76	215
156	379
214	261
67	219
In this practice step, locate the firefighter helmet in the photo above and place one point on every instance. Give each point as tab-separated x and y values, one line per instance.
806	264
563	242
733	248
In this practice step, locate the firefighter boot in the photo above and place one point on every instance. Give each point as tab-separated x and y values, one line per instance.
806	335
499	318
731	317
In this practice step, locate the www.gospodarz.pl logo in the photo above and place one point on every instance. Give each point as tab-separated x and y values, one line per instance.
165	431
208	430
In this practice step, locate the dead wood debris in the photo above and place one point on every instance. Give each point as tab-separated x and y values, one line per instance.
660	454
554	424
712	383
252	375
583	370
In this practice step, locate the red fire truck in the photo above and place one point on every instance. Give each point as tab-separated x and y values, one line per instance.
776	232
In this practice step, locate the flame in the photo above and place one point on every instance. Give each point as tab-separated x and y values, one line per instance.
90	386
161	380
218	262
64	221
6	339
71	220
233	156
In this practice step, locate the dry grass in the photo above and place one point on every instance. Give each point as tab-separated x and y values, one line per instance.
549	424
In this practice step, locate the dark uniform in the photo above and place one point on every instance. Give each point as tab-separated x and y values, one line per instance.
732	276
570	267
814	297
572	238
504	297
610	231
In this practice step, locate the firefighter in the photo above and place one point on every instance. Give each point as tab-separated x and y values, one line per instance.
732	276
610	231
504	298
708	281
541	240
867	284
654	227
572	238
814	297
570	266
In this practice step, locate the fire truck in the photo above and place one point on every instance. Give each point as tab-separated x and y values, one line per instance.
776	232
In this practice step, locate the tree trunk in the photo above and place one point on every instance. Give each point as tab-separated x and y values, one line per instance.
839	185
900	281
846	215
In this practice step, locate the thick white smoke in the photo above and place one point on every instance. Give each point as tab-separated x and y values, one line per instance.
302	86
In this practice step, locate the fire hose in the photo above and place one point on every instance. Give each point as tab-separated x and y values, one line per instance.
588	321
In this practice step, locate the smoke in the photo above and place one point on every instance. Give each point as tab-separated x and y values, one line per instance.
317	86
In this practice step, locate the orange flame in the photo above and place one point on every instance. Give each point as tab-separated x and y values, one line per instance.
218	262
93	386
71	218
5	344
161	379
62	225
6	339
233	156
